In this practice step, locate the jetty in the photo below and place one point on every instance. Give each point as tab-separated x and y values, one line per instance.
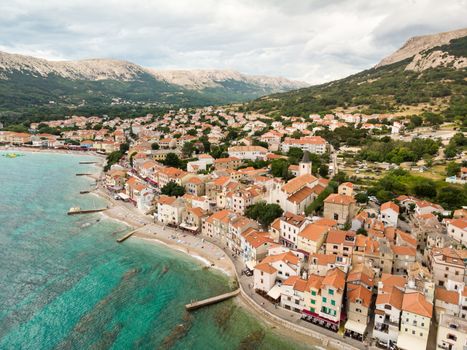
128	235
84	192
87	162
213	300
78	210
83	174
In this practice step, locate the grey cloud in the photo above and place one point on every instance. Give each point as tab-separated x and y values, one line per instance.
312	40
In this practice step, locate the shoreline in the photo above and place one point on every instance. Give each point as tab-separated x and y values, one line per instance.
52	151
203	252
208	255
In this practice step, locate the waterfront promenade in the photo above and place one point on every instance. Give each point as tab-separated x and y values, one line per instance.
213	255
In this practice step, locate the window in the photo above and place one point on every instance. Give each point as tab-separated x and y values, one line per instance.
452	337
324	299
336	216
312	309
331	291
261	281
313	292
313	301
333	302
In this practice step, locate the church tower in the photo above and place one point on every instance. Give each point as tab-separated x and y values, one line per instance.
305	164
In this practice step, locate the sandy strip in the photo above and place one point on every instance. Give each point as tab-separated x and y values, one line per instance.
50	150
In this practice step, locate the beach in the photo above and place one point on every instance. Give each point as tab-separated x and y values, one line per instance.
149	232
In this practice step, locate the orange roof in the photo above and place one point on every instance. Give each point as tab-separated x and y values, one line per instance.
341	237
297	283
359	292
257	239
220	215
197	211
301	195
394	298
315	282
297	183
195	180
288	257
163	199
221	181
362	273
339	199
407	238
265	267
292	219
448	296
335	278
390	205
417	304
226	160
393	280
314	232
276	224
323	259
403	250
326	222
460	223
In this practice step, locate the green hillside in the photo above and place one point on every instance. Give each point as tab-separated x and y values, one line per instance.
386	89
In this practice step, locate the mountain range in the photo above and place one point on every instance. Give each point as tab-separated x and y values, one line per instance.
427	74
34	86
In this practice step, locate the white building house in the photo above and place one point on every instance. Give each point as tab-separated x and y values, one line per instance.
389	214
457	229
452	333
415	322
248	152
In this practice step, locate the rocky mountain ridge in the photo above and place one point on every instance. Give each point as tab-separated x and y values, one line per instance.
109	69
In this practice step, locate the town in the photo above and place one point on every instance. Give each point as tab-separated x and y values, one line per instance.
322	234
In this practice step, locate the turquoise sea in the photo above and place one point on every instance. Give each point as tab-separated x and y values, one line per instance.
66	284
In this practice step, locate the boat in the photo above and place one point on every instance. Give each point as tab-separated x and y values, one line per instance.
12	155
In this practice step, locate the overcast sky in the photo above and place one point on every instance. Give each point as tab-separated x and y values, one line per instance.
309	40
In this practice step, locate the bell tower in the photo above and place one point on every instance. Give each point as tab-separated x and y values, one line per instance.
305	164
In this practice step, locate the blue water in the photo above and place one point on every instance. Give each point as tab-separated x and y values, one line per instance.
66	284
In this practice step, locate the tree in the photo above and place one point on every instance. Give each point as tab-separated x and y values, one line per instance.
113	158
188	148
191	132
361	197
172	160
173	189
155	146
324	170
318	203
452	197
280	167
416	120
453	168
264	213
295	155
362	231
426	188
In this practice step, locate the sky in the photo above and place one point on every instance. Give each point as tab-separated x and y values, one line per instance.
309	40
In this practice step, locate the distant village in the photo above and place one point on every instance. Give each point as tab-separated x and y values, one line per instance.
390	274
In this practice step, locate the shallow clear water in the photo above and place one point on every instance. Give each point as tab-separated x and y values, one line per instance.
66	284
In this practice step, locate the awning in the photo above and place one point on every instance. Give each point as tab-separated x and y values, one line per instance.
275	292
123	196
250	265
188	227
356	327
407	341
